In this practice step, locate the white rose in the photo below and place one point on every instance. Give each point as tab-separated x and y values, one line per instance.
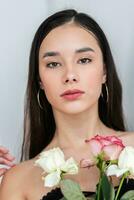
70	166
125	163
53	162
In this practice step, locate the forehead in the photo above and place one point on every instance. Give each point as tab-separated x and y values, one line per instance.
69	37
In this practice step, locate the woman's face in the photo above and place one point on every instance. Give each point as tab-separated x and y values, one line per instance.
70	58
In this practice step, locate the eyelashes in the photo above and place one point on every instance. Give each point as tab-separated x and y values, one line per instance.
82	61
86	60
52	64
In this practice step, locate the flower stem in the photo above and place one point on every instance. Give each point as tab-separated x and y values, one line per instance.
99	188
119	188
101	167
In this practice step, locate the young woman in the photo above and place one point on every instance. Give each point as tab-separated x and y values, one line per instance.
73	93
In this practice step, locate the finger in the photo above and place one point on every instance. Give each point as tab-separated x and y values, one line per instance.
2	171
3	150
8	156
6	162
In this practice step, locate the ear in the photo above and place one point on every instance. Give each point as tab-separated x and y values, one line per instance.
104	74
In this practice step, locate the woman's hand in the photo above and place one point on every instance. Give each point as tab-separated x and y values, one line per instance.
5	159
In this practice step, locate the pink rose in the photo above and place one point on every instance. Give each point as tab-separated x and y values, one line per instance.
111	146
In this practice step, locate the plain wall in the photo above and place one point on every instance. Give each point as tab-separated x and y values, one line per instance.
19	21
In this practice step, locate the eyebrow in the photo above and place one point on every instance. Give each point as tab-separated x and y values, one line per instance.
54	53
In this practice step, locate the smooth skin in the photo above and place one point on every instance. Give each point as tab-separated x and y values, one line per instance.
76	120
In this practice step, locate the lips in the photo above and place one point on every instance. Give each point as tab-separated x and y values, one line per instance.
69	92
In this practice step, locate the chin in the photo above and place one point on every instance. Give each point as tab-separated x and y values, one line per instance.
74	109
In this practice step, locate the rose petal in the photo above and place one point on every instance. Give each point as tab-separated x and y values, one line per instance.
115	140
50	160
115	170
112	152
104	142
95	146
58	157
52	179
86	163
70	166
46	163
126	159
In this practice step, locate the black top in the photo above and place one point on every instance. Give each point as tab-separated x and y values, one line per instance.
56	193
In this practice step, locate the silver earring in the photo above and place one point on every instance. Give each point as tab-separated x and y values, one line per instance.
107	93
38	99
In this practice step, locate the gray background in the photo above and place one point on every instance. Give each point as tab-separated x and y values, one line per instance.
18	23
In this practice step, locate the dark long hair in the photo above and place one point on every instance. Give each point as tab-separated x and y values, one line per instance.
39	125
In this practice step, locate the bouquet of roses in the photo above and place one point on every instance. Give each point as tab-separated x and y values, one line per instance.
109	155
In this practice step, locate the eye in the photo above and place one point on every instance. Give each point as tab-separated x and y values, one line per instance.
52	64
85	60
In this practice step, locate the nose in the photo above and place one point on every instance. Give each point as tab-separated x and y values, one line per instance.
70	77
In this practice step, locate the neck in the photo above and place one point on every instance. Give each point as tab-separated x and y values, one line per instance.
72	130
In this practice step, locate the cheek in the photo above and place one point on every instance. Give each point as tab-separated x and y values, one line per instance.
94	81
50	86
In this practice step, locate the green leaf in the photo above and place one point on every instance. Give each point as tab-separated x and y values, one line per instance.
107	188
63	198
128	195
99	194
71	190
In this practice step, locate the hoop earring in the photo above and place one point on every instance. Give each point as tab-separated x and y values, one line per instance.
107	93
38	99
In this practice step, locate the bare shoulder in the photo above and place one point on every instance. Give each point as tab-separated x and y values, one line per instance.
23	182
12	185
127	137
